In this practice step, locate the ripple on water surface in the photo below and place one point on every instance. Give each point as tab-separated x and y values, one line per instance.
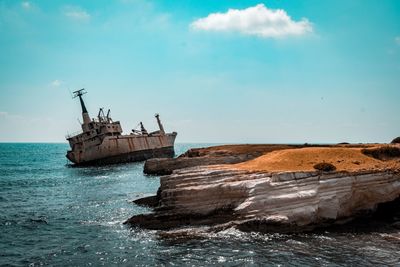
58	215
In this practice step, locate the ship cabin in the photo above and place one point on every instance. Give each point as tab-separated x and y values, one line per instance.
93	130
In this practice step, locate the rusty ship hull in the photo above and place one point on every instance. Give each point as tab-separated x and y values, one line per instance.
124	148
101	141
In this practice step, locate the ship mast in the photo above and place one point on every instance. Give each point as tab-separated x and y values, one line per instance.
85	114
159	123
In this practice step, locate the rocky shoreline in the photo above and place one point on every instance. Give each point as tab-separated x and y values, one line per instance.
251	198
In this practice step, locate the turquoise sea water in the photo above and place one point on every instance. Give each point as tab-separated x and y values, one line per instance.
52	214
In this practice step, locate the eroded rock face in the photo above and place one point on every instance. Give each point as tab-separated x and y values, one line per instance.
165	166
286	201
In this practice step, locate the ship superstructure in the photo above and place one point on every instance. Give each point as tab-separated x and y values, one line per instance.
102	142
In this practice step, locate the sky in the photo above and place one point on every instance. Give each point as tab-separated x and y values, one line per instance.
217	71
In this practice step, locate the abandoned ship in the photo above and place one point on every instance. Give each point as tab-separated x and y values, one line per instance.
102	142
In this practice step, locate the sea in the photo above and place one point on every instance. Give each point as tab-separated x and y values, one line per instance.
57	215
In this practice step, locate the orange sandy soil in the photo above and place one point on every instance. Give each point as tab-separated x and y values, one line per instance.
345	158
242	149
224	150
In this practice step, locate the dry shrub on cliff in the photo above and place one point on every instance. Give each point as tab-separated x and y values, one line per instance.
383	152
325	167
191	153
396	140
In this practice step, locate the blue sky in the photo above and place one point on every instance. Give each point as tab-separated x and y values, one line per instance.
266	71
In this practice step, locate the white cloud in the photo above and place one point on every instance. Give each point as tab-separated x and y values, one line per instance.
397	40
56	83
257	20
26	5
76	13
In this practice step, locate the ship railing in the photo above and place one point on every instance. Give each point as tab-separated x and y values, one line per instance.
69	135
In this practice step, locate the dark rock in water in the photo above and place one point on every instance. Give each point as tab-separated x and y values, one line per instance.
167	221
266	225
151	201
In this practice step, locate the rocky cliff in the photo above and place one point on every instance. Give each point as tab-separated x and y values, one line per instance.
225	154
249	197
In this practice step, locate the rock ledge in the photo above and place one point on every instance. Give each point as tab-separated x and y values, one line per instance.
279	191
